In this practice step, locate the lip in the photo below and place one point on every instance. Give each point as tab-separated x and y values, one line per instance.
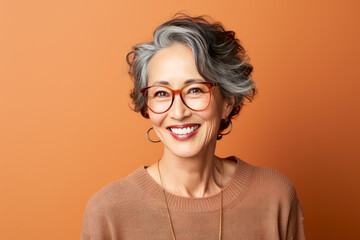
183	137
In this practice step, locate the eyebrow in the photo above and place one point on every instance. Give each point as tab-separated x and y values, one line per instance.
186	82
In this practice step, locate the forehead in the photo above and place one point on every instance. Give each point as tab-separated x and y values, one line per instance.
174	65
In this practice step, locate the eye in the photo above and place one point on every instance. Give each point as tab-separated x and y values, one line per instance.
195	90
161	94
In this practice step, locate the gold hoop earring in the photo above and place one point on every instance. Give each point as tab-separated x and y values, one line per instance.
223	134
220	135
147	135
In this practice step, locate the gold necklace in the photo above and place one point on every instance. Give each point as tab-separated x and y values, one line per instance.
167	207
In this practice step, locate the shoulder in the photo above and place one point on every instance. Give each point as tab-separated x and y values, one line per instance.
109	203
272	193
270	176
267	182
116	194
277	193
274	184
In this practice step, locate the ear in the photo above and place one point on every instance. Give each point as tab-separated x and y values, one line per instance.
228	106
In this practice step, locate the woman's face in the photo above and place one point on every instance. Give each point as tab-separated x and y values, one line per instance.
174	67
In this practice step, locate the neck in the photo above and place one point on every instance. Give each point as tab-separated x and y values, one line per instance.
196	176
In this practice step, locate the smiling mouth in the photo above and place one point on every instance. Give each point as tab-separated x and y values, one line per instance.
184	130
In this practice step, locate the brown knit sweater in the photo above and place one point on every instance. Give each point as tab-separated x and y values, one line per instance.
258	203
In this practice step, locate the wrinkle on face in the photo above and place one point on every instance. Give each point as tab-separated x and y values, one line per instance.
175	66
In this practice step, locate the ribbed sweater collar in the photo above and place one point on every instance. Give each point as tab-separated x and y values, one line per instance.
153	193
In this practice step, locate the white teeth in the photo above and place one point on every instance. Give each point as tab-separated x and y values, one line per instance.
184	130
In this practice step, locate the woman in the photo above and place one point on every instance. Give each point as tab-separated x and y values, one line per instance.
190	82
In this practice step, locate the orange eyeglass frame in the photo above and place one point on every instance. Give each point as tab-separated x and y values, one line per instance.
210	85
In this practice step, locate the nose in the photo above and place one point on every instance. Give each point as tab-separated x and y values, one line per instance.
178	109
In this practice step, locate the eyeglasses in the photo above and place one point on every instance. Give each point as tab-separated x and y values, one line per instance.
195	96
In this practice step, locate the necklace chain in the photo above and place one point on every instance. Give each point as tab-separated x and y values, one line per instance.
168	212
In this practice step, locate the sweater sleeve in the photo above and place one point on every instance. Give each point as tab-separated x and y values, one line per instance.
296	221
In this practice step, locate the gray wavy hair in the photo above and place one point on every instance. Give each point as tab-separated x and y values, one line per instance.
219	58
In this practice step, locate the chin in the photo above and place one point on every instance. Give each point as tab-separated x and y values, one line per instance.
185	150
192	147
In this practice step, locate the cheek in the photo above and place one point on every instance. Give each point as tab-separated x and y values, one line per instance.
156	119
213	112
212	118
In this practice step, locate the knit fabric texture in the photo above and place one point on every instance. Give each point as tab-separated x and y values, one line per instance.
258	203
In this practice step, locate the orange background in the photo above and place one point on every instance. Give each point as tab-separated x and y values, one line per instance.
66	129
